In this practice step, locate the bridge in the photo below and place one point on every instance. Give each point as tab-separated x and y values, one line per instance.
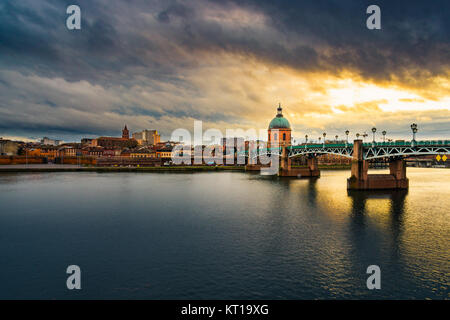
360	153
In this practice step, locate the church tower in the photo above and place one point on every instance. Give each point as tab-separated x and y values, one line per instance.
125	133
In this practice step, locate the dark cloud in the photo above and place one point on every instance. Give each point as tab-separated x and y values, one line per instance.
414	35
174	9
152	44
306	35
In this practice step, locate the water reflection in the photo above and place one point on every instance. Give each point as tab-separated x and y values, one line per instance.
224	235
394	214
398	200
396	197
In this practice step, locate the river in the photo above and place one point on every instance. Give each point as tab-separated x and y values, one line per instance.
221	235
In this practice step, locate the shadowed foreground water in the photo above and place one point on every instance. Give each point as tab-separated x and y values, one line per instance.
223	235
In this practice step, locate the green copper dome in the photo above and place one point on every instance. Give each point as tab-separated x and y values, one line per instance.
279	122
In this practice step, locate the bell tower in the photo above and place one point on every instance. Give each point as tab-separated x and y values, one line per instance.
125	133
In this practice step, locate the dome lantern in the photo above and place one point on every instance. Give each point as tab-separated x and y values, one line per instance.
279	111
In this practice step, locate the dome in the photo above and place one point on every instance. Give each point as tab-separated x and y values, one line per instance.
279	122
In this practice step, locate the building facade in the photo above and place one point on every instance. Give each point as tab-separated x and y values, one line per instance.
165	152
51	142
115	143
143	152
8	147
147	137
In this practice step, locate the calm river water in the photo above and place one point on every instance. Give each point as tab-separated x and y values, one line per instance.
224	235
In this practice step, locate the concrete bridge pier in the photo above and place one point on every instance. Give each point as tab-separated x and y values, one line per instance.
361	180
252	164
397	168
313	164
286	169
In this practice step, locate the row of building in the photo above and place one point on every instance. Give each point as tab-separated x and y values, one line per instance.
146	147
143	144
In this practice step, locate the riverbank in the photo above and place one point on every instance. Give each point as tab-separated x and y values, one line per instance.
75	168
71	168
330	167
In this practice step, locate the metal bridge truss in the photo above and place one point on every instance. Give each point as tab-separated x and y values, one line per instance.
294	152
369	151
339	151
403	151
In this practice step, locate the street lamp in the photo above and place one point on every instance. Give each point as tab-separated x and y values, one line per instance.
357	135
364	136
324	135
414	130
373	131
306	138
346	133
384	135
336	136
320	138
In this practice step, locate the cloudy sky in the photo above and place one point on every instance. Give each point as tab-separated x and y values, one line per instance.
161	64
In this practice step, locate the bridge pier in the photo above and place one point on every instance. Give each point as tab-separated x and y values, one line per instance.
252	164
397	168
313	164
286	169
361	180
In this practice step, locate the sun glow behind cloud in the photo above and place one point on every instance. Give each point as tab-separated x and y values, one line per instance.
350	93
164	64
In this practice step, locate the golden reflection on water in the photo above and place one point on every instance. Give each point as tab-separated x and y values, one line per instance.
287	237
414	222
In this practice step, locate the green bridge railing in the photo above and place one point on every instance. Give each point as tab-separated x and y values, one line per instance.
366	144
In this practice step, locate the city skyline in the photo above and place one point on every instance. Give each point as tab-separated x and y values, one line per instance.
165	64
225	158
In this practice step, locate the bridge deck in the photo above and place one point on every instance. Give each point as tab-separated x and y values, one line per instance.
372	150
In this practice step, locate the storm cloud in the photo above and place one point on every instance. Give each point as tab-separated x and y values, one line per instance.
161	64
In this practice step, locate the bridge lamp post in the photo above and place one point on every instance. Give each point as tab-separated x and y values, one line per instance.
414	130
357	136
336	136
306	140
320	138
346	133
384	135
364	136
324	135
373	131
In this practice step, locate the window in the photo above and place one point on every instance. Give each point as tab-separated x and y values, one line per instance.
284	136
275	137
